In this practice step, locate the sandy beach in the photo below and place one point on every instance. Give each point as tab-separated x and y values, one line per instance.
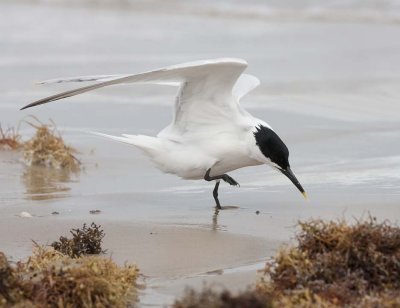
330	88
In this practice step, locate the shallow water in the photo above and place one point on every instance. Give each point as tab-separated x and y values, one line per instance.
331	89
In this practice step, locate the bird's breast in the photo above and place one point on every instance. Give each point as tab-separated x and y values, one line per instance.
222	151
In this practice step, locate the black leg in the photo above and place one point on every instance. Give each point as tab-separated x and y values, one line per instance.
215	194
224	177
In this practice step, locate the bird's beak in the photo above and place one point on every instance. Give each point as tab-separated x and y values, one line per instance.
288	172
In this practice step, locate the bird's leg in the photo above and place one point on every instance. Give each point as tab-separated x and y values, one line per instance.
224	177
215	194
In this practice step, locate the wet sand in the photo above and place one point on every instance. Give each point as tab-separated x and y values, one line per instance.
170	257
330	90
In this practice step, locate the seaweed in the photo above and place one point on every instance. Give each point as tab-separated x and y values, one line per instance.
334	264
83	242
9	282
10	139
47	148
338	262
50	279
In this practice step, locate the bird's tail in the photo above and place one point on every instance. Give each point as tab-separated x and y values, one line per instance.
145	143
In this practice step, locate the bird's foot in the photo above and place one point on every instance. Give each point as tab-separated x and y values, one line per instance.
227	178
230	180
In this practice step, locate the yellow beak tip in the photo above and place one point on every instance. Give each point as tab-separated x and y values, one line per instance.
305	195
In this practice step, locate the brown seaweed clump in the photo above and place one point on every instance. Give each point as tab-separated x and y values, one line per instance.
10	284
10	139
339	264
47	148
333	265
85	241
51	279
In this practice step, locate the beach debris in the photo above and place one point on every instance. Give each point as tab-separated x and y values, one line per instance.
50	279
47	148
9	282
25	215
334	264
257	212
94	211
84	241
339	263
55	213
10	139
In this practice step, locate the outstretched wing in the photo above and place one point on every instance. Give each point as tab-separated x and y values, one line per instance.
243	85
206	89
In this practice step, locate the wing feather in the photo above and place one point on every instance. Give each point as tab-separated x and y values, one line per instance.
82	79
244	85
224	70
100	78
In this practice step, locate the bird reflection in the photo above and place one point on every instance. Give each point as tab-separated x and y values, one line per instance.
215	219
215	225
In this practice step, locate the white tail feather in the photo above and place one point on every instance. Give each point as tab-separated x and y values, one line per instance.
141	141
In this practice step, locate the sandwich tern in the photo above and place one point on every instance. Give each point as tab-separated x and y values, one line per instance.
210	134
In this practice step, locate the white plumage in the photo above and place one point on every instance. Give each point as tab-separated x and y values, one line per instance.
210	130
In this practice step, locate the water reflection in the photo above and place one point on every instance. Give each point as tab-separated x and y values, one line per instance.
214	223
215	220
43	183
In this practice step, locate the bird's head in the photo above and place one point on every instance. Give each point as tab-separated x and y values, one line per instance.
276	152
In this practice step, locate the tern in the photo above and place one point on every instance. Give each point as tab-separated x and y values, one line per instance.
211	134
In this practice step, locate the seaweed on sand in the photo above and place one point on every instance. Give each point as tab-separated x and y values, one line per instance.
10	283
51	279
339	263
47	148
334	264
83	242
10	139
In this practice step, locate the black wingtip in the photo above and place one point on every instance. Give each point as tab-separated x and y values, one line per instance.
25	107
37	103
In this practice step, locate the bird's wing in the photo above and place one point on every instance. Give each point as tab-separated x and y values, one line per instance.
243	85
206	90
219	74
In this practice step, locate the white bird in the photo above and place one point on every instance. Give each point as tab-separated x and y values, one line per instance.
210	134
